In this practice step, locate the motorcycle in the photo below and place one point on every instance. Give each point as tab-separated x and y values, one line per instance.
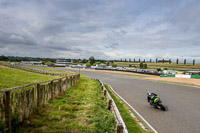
155	101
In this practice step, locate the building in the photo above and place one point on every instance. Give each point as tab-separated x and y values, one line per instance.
31	63
61	62
103	66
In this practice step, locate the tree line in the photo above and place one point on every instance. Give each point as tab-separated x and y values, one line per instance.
90	61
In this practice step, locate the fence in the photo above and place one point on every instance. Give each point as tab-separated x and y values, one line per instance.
120	127
19	103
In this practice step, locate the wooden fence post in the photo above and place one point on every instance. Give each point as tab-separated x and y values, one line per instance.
104	92
66	82
109	104
38	95
71	81
119	127
8	111
51	88
60	86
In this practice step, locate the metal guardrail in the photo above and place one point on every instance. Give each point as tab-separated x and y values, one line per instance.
141	72
121	127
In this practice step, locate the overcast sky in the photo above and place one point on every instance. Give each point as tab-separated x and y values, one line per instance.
105	29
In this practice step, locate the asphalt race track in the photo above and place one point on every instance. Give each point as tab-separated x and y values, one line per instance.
183	101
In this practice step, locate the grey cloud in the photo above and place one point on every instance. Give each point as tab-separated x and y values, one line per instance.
106	29
112	46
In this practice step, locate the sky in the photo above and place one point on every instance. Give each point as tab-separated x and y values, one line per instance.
105	29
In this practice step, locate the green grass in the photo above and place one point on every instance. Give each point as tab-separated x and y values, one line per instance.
10	77
131	124
45	68
82	109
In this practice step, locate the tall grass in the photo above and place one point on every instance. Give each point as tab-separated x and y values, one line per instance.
10	77
81	109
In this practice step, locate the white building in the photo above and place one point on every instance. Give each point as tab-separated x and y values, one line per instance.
31	63
61	62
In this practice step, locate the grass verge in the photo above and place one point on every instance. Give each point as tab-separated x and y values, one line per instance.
45	68
13	77
80	109
131	124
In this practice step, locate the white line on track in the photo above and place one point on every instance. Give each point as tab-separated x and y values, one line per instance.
134	110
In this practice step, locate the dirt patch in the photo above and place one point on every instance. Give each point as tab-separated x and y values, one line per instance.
178	80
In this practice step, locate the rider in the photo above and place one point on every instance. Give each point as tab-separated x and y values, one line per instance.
153	99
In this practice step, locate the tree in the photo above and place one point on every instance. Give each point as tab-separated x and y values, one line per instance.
43	62
158	69
184	61
3	58
129	60
114	65
193	62
88	64
107	64
125	60
134	60
150	60
156	60
92	60
84	61
139	59
144	60
170	61
143	65
163	60
176	61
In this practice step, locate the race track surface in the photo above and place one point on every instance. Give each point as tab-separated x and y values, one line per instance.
183	101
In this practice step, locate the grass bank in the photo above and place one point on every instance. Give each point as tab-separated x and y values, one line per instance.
46	68
80	109
131	124
10	77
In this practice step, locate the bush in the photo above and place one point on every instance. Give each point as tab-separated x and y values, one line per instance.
143	65
114	65
158	69
88	64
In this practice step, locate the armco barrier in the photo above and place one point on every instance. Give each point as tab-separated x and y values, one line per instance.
141	72
19	103
120	127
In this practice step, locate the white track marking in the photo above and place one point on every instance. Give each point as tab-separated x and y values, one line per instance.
134	110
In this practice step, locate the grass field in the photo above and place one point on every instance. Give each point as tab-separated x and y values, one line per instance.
10	77
82	109
172	66
131	124
45	68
